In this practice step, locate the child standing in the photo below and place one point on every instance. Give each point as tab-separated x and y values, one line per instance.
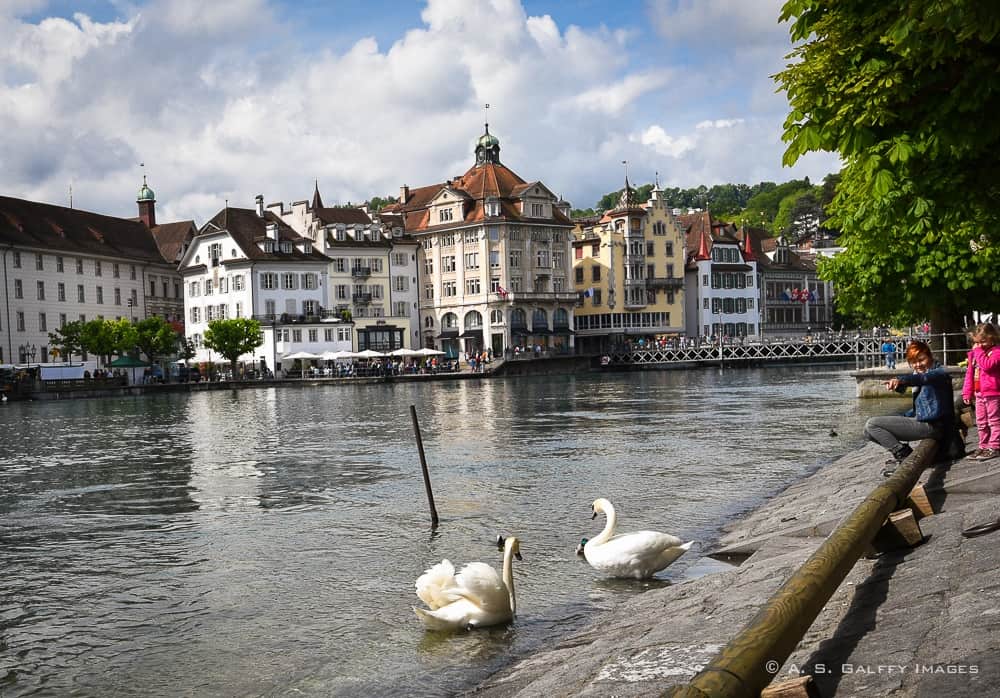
982	382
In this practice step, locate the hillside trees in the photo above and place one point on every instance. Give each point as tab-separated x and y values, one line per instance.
907	92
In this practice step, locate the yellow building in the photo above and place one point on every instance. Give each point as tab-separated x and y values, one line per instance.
628	267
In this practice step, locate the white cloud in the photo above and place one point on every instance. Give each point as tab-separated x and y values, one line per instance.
225	102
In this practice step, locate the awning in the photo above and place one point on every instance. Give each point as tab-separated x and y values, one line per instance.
541	331
563	330
477	334
448	334
127	362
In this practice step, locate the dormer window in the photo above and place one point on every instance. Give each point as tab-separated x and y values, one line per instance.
269	246
492	208
286	247
307	247
444	215
341	234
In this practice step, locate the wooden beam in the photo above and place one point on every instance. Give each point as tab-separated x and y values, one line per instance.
918	503
800	687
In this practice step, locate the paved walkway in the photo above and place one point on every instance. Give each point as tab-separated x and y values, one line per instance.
924	622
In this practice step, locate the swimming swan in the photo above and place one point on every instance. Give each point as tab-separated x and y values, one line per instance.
638	555
475	597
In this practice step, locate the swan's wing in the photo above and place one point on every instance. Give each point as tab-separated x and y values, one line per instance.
640	554
642	542
458	615
436	586
483	585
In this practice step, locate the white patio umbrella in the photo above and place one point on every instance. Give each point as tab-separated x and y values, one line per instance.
331	355
302	356
429	352
370	354
402	351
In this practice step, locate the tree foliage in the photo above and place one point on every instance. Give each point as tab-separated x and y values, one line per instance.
68	339
907	92
155	338
232	338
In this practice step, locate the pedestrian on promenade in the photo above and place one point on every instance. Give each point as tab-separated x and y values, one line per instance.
933	412
982	384
889	351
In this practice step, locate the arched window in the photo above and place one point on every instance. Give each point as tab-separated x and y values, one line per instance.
473	319
517	318
429	321
560	318
496	317
539	319
449	321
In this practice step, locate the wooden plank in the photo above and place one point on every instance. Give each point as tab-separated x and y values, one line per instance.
918	503
900	530
800	687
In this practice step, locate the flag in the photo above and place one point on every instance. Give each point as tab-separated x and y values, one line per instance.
785	295
501	291
589	293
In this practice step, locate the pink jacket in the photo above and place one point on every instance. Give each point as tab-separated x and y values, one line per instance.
989	373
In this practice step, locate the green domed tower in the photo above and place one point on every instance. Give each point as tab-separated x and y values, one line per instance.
488	148
147	204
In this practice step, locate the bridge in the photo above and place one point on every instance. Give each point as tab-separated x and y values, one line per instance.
864	352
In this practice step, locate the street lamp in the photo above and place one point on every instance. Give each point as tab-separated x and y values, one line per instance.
27	351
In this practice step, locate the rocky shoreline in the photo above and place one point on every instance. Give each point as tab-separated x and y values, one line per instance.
917	622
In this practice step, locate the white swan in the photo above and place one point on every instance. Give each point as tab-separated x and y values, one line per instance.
638	555
475	597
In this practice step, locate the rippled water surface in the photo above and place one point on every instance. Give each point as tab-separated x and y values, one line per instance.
266	541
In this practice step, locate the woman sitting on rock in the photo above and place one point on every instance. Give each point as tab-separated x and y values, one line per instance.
933	413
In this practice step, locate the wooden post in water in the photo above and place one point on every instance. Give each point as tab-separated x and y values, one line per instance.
423	467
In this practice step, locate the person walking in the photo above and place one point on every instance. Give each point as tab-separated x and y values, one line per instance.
982	385
889	352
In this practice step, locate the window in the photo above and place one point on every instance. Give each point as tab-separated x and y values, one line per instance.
313	336
39	262
296	335
542	259
16	260
400	283
557	260
471	237
18	289
118	296
471	260
557	284
448	263
288	281
650	271
399	259
596	298
309	281
131	273
195	314
537	210
472	286
239	309
341	292
97	267
704	279
152	288
448	240
164	287
400	309
79	266
448	289
61	291
515	258
20	321
238	282
595	273
445	214
269	280
578	275
62	319
193	289
115	270
649	249
429	267
515	284
209	287
578	252
223	285
100	295
429	292
80	295
59	264
670	249
135	298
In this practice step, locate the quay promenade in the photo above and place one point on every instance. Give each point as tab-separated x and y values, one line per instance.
917	622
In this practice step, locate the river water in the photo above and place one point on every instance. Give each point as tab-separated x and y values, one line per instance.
266	541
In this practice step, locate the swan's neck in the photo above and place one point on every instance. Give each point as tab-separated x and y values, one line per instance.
609	525
508	575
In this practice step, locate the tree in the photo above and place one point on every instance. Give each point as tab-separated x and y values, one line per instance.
907	92
68	339
99	337
377	203
155	338
232	338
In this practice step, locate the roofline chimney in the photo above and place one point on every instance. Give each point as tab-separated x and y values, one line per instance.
404	194
259	200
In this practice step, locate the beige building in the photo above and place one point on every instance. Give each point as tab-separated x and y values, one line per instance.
493	260
628	268
372	275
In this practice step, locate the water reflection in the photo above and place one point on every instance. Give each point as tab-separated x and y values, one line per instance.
267	541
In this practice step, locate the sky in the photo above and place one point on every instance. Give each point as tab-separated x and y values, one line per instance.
217	101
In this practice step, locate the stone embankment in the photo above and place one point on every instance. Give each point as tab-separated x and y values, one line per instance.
923	621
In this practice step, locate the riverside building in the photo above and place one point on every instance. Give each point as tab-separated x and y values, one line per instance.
372	272
720	280
628	269
250	263
493	260
60	264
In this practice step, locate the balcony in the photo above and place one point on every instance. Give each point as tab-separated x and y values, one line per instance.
669	282
361	272
361	298
535	296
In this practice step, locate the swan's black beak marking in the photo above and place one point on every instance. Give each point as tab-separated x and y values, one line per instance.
500	542
593	514
518	556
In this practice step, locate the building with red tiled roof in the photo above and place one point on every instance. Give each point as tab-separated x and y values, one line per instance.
373	269
250	263
794	301
494	259
61	264
720	280
628	267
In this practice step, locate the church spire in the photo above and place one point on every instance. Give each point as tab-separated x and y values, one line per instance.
317	202
488	146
